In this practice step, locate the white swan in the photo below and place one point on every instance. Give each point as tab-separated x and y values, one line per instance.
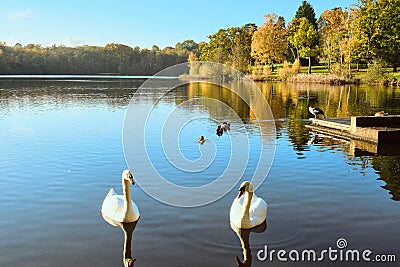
120	208
247	210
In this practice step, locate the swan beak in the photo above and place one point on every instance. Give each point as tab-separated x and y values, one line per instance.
131	179
241	192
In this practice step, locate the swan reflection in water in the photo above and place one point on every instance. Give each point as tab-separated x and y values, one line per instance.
120	210
248	214
244	237
128	229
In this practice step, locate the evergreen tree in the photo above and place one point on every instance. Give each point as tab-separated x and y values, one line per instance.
306	11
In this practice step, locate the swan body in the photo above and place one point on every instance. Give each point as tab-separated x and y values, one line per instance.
247	210
316	111
120	208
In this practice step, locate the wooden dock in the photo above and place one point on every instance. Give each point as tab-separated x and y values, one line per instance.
371	134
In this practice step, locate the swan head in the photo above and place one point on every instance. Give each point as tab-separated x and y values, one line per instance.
127	175
129	262
246	186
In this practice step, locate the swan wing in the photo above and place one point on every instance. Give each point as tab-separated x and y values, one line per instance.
136	213
258	211
113	206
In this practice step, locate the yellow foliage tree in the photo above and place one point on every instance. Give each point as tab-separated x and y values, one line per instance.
269	43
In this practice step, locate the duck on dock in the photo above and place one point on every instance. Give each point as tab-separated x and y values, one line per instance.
316	111
381	114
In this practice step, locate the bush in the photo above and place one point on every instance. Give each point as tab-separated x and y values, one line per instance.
286	71
376	73
296	67
336	69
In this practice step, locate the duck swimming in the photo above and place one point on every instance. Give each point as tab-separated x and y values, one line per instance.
201	140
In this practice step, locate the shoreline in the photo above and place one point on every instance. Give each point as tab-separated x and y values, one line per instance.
79	77
315	78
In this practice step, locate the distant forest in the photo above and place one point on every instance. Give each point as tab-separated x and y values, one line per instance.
110	59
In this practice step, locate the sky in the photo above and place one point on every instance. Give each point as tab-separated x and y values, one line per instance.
136	23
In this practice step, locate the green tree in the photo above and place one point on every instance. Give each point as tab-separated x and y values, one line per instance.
187	46
231	46
240	56
305	10
218	47
304	38
378	29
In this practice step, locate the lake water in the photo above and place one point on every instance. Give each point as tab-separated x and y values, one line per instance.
61	151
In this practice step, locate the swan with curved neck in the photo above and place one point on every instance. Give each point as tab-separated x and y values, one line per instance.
120	208
247	210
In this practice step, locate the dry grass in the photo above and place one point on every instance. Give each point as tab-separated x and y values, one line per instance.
319	78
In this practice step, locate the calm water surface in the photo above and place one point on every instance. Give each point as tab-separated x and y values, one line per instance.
61	150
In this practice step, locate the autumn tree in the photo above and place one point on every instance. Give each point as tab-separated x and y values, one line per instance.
332	27
269	42
339	38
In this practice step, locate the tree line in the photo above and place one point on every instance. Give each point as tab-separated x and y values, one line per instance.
368	32
110	59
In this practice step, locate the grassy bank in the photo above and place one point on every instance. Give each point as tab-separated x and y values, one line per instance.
321	74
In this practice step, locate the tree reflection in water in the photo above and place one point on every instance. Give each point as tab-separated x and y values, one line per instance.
389	171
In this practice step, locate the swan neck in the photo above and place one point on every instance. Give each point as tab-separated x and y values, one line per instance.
245	218
127	195
249	197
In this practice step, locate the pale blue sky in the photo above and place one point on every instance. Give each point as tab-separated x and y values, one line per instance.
133	22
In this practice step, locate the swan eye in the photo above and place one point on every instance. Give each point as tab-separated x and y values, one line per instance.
242	188
130	176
